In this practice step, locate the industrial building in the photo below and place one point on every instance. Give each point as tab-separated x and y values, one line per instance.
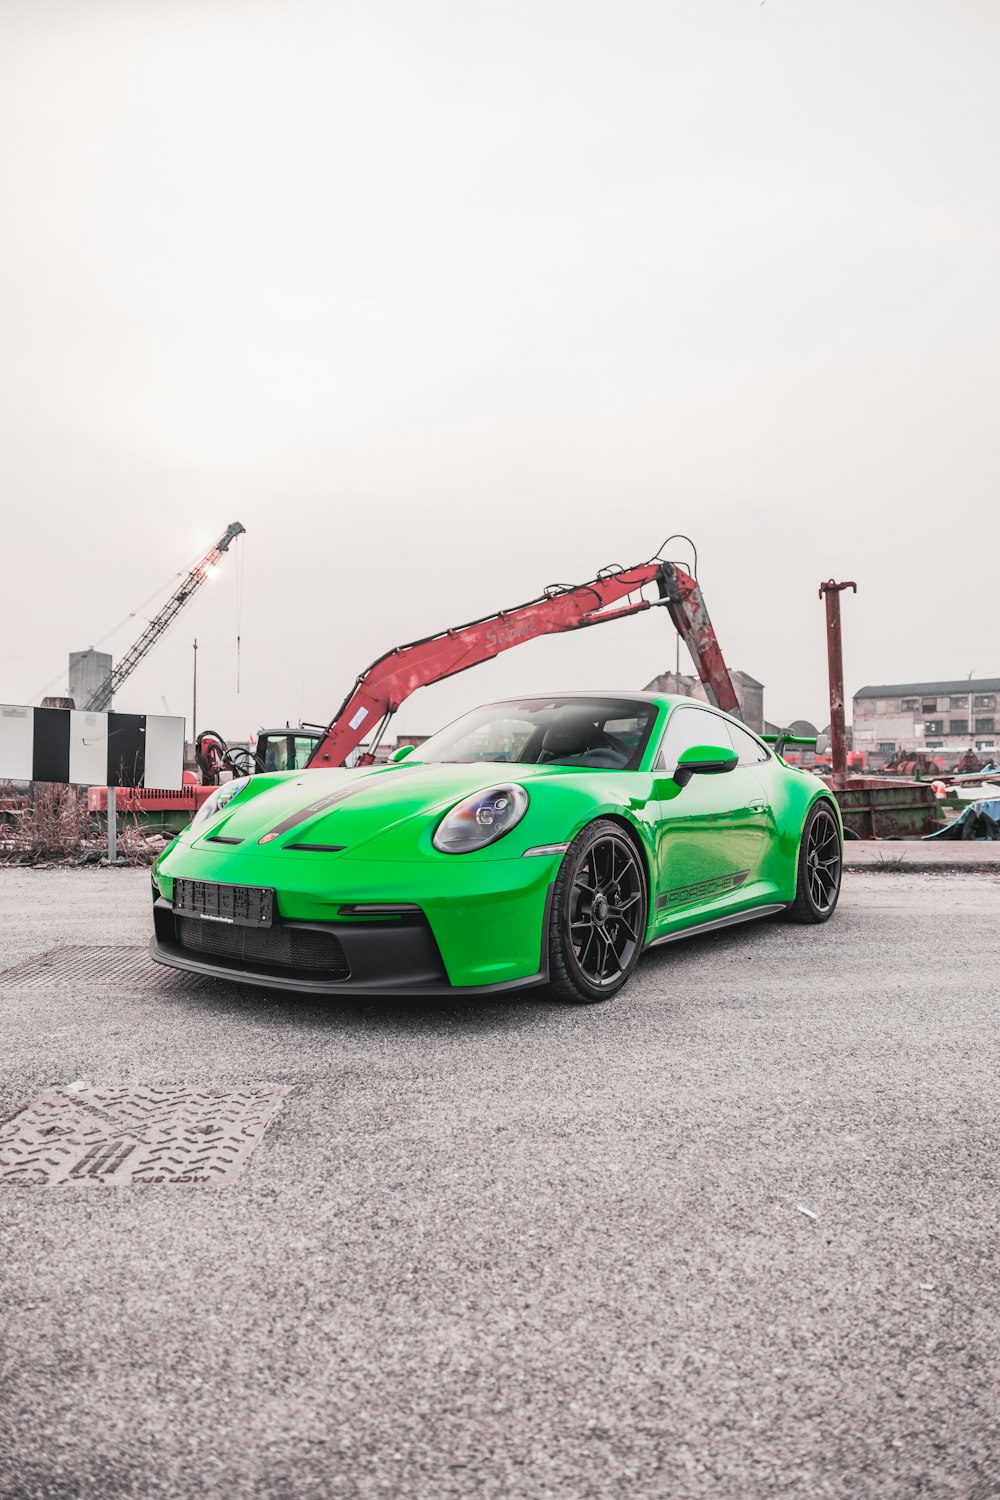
749	693
929	716
89	676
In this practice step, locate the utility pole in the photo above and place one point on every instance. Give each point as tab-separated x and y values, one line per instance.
194	696
831	591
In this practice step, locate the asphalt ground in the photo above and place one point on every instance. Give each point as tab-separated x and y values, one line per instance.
519	1249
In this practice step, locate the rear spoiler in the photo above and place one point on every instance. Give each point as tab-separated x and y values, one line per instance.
784	737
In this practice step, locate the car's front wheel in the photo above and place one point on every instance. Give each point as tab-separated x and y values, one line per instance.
599	908
821	862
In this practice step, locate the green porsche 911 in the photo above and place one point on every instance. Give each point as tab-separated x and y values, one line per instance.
542	841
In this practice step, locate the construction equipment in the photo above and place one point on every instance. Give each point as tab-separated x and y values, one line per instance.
390	680
214	757
162	621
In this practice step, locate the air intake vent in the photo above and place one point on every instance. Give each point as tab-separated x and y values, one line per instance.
319	848
279	948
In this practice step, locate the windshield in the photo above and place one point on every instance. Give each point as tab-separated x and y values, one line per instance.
606	734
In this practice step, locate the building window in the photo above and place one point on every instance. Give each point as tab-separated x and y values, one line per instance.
958	702
958	726
985	700
928	706
913	703
984	745
934	726
935	745
984	726
887	747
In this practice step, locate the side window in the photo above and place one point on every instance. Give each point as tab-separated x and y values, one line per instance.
747	748
687	727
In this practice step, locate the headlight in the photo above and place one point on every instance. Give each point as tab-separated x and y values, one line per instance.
219	799
481	819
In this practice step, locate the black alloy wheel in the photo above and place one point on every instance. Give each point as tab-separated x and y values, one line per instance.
599	909
821	863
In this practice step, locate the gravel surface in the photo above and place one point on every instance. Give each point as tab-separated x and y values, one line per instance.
731	1235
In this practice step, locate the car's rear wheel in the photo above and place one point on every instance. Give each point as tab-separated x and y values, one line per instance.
598	922
821	863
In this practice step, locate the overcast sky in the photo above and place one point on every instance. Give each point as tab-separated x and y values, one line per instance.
449	301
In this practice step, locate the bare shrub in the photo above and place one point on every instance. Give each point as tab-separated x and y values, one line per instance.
54	825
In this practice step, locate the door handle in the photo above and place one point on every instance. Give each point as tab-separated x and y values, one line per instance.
756	806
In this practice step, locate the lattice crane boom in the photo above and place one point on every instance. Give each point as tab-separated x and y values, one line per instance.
162	622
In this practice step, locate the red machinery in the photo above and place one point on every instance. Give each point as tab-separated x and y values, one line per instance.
391	679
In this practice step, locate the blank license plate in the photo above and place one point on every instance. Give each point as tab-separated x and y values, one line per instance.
242	905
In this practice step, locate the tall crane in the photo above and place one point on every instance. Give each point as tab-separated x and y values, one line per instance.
162	622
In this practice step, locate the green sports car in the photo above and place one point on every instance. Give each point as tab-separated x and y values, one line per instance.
542	841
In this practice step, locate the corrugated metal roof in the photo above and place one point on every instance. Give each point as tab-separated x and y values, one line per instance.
931	689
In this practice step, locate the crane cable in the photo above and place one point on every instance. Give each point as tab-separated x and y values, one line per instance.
240	560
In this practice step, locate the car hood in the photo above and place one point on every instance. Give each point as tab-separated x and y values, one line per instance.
345	809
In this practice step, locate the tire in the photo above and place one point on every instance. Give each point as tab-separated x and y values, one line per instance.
599	910
820	867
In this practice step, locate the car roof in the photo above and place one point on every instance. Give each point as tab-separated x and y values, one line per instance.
631	695
620	695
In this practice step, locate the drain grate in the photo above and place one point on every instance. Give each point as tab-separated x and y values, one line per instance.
71	966
89	1135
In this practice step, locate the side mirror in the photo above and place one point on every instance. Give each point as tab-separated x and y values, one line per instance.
400	753
704	760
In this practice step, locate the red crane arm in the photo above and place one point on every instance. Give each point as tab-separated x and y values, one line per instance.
689	612
391	679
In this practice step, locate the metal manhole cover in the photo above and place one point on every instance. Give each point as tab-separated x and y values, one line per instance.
82	1134
74	965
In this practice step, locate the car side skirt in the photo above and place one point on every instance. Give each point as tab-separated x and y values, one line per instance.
732	920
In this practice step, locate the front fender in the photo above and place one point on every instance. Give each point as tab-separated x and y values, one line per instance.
559	807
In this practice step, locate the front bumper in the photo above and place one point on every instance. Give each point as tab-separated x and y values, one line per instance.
482	925
400	958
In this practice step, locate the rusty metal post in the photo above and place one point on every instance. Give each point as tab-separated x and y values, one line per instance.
835	658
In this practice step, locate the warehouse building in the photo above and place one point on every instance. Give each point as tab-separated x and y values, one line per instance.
749	693
939	717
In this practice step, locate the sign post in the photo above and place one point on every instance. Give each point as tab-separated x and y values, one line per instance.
112	825
83	748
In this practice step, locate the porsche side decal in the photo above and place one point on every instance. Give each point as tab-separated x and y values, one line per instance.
701	891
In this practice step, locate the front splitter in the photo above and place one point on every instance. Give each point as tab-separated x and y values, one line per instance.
176	958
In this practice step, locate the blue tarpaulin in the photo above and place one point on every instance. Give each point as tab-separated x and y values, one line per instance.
980	820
